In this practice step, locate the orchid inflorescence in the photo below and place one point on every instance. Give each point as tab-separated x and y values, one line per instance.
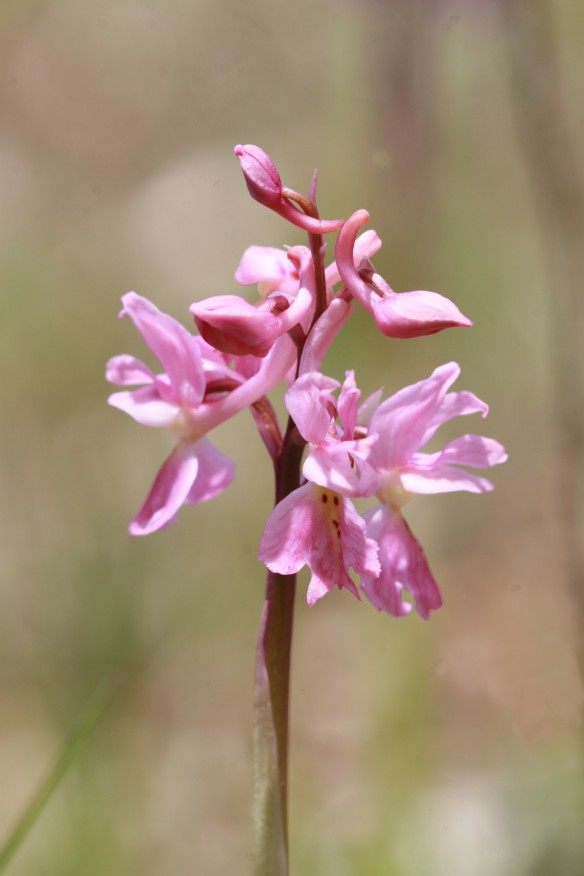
354	450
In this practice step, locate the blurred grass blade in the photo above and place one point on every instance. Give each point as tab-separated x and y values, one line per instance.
86	722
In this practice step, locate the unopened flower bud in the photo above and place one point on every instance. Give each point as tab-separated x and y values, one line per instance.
261	175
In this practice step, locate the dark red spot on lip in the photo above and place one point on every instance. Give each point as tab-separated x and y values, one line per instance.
324	498
336	500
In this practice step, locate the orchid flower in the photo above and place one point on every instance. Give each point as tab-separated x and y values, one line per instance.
404	424
183	399
397	315
317	524
233	325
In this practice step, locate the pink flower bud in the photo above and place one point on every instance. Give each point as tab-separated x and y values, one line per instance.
261	176
265	186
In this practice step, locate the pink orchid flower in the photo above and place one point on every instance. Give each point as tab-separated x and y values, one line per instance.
398	315
233	325
404	424
335	459
190	399
317	525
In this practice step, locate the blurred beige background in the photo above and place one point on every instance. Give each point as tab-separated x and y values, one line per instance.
449	748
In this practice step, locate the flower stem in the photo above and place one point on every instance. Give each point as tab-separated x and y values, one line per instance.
272	687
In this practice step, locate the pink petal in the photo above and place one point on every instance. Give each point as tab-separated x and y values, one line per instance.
323	333
347	405
403	567
454	404
368	408
173	484
145	406
216	472
315	527
404	419
172	344
345	258
414	314
233	325
365	247
475	451
270	268
127	371
438	472
443	479
342	467
312	406
270	371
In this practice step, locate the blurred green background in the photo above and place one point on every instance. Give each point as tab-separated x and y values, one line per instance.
448	748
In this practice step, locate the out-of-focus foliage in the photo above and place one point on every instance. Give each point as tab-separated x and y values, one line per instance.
448	747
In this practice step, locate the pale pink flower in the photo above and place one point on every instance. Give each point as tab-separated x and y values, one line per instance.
397	315
196	391
335	459
317	525
404	424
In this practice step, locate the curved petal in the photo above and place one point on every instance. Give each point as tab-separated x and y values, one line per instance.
127	371
173	346
215	474
443	479
169	491
477	451
454	404
323	333
270	268
366	245
347	405
334	466
403	567
315	527
403	420
271	370
311	404
345	259
145	406
233	325
414	314
439	472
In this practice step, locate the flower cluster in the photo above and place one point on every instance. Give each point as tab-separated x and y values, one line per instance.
354	450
